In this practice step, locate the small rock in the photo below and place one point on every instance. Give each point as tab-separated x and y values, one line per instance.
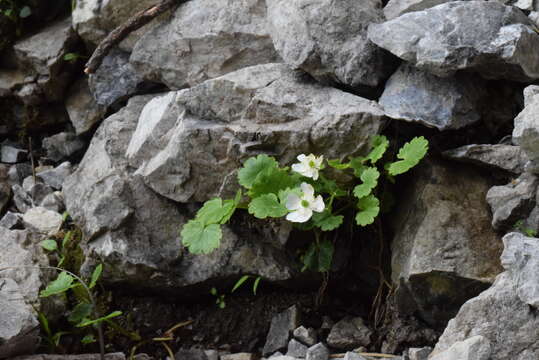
62	146
13	155
5	188
296	349
349	333
504	157
239	356
327	323
526	130
279	356
56	177
192	354
54	202
419	353
306	336
474	348
22	200
39	191
281	326
317	352
82	108
111	356
43	220
11	220
351	355
212	354
18	172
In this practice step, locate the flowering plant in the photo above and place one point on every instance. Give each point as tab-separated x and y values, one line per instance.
304	195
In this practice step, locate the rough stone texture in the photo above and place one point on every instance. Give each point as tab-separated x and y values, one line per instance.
486	37
115	80
306	336
443	103
501	157
5	188
444	251
12	155
281	326
349	333
419	353
118	213
266	108
296	349
513	328
350	355
239	356
473	348
328	39
22	200
11	220
111	356
512	202
53	202
317	352
18	172
56	177
191	354
94	19
526	131
396	8
42	220
62	146
41	60
203	40
84	112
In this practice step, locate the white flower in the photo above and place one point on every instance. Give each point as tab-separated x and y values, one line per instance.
302	207
308	165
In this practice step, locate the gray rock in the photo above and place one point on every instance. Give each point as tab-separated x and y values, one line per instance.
419	353
349	333
317	352
37	191
110	356
12	155
41	56
18	172
53	202
265	108
19	332
95	19
444	251
204	40
42	220
447	38
512	202
281	357
534	18
329	40
115	80
5	188
529	93
296	349
526	131
396	8
191	354
62	146
281	327
117	213
306	336
11	220
239	356
350	355
56	177
83	110
512	329
443	103
502	157
473	348
23	201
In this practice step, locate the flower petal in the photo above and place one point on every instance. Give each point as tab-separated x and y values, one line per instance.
301	157
299	168
293	202
300	216
314	174
307	189
318	204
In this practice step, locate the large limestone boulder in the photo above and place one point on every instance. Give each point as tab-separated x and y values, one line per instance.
205	39
189	144
526	131
135	231
395	8
444	251
505	314
328	39
486	37
507	158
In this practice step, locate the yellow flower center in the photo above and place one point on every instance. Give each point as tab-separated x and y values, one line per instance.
304	203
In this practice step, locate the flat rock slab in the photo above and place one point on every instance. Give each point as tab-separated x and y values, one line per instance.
508	158
485	37
526	131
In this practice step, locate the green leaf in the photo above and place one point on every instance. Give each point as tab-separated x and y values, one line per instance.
327	221
369	207
70	57
411	154
67	238
95	276
254	166
338	164
25	12
358	164
80	312
212	212
213	291
49	245
380	145
101	319
370	179
58	336
229	207
240	282
63	282
200	239
272	181
44	323
65	215
88	339
255	284
267	205
319	256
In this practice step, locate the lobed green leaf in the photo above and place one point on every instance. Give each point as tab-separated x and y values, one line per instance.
411	154
369	208
370	179
63	282
201	239
326	221
267	205
253	167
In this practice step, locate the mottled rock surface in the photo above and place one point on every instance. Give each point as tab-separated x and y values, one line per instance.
526	131
498	156
349	333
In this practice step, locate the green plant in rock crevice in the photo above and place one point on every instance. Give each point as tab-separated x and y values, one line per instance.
306	196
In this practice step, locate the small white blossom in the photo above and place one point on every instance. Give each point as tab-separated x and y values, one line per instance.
308	165
302	207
